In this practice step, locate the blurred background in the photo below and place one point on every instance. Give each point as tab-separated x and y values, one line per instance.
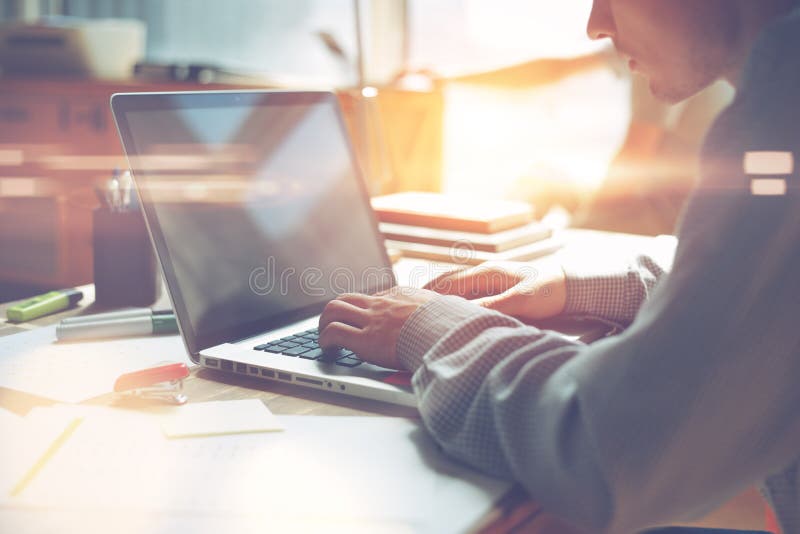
497	98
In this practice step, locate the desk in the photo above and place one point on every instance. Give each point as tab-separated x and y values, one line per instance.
513	513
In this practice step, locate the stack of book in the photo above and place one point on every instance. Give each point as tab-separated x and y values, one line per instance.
463	230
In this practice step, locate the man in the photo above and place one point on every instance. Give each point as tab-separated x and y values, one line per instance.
698	398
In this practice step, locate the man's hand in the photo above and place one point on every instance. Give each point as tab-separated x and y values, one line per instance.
369	325
527	291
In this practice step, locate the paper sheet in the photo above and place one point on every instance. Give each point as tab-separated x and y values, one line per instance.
20	520
8	420
356	471
25	441
72	372
220	417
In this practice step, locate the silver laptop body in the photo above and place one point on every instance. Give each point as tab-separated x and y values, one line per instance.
259	217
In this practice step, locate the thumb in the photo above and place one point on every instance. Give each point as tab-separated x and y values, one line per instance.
461	283
506	302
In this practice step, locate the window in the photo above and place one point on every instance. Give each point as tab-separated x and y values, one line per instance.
279	38
504	139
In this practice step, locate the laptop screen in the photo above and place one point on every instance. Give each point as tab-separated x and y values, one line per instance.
255	206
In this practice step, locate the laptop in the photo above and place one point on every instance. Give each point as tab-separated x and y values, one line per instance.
259	217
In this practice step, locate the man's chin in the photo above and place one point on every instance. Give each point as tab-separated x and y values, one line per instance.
672	93
669	94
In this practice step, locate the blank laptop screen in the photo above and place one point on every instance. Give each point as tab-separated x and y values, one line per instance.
256	208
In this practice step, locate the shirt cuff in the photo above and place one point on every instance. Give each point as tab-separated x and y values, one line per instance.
601	291
428	324
614	287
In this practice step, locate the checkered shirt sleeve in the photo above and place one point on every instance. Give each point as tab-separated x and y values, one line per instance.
616	291
477	370
466	359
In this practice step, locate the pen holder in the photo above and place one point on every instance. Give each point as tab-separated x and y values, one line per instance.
125	271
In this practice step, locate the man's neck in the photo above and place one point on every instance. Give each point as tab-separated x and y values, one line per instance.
754	16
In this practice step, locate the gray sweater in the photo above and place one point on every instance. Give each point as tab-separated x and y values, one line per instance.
698	398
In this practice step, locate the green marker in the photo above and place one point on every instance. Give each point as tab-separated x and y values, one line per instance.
52	302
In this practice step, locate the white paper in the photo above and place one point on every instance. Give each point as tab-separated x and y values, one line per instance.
23	520
220	417
13	432
72	372
25	442
8	419
351	472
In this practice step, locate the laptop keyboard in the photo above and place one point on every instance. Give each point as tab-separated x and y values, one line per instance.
305	345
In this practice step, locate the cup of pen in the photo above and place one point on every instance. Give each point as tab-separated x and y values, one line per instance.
125	272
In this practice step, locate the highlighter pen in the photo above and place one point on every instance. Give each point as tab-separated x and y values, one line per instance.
131	326
52	302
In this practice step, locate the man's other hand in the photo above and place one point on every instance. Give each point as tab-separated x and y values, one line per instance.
369	325
525	290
